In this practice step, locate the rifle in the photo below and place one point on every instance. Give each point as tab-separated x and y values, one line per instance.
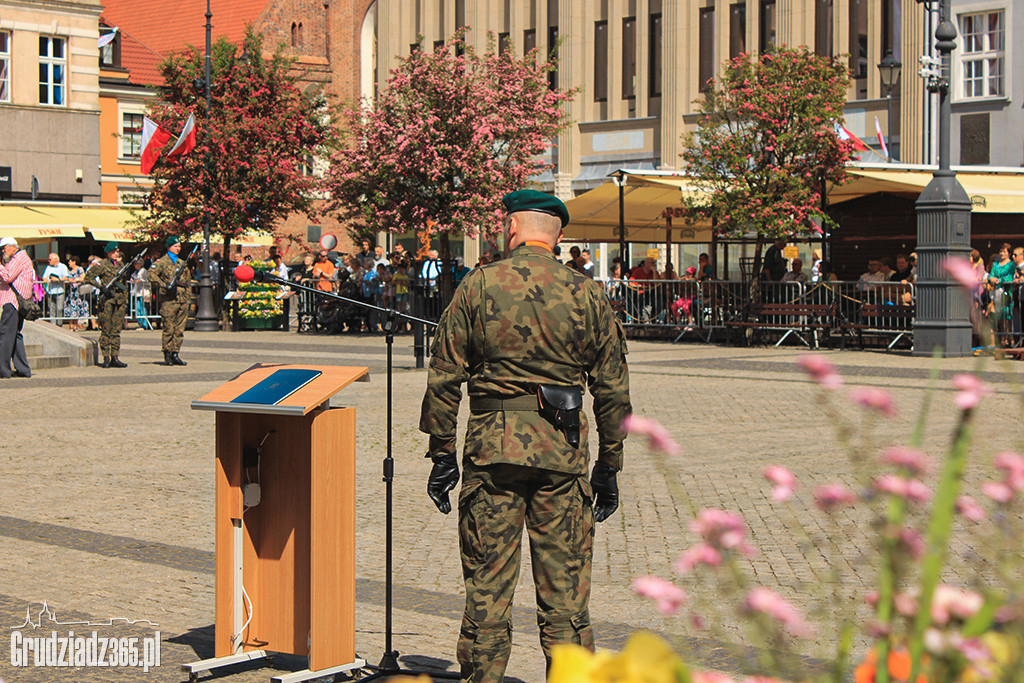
172	285
122	273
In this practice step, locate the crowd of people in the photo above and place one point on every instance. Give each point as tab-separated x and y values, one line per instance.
998	298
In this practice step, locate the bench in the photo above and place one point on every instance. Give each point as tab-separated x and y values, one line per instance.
793	318
883	319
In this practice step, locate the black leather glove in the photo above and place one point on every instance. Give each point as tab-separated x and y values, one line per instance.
106	291
171	290
443	478
606	491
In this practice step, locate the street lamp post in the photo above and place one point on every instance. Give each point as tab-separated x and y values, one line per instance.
889	68
206	316
943	224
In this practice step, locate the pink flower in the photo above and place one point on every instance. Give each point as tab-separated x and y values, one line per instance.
657	436
910	459
667	596
828	496
710	677
721	530
769	602
962	271
1013	465
821	370
912	542
951	602
966	506
875	399
970	391
905	604
911	489
784	480
998	491
702	553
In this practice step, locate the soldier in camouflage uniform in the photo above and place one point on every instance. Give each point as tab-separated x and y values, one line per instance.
174	301
514	326
113	303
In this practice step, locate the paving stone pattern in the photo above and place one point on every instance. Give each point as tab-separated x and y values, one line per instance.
108	493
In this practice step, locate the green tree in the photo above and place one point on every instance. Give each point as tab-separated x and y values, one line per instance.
766	144
261	134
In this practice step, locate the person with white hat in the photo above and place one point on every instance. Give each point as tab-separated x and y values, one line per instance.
15	272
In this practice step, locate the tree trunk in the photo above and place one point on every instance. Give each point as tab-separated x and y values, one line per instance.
446	282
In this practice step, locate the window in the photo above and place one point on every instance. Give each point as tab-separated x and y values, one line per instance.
503	43
983	58
131	136
552	47
110	53
438	46
529	40
706	63
654	58
297	37
600	61
737	30
308	166
52	69
5	66
823	28
767	38
629	57
859	38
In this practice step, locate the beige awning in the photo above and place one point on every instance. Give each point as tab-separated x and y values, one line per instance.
594	215
990	191
30	225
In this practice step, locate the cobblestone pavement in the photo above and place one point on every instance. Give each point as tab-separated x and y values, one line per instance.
107	497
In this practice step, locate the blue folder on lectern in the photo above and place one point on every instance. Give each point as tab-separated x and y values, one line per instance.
277	387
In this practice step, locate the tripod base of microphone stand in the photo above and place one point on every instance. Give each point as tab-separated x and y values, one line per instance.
389	666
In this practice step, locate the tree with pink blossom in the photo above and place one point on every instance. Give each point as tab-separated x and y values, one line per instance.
261	134
449	133
765	144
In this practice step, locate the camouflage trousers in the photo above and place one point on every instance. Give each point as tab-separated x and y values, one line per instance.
111	320
494	504
173	315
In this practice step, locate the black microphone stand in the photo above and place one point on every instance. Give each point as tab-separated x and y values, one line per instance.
389	665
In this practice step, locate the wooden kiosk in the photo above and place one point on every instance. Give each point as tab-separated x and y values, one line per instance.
285	523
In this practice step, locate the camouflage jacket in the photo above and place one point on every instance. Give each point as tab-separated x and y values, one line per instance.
99	274
162	272
514	324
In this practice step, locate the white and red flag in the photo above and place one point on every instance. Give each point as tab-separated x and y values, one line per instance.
154	138
186	140
844	134
881	140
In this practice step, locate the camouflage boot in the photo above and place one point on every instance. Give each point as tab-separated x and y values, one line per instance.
483	650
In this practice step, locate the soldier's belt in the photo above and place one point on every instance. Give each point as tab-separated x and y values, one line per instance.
483	404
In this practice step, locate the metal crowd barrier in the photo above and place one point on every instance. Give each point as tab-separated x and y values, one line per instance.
713	309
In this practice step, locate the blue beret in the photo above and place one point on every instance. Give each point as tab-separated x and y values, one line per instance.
111	246
171	241
533	200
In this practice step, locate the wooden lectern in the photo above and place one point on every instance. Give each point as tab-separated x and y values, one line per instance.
285	557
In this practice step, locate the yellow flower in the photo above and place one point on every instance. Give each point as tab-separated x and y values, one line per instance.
645	659
1004	650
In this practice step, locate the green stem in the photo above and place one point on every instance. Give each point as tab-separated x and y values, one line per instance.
939	528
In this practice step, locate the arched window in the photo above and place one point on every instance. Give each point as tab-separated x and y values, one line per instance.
295	34
302	41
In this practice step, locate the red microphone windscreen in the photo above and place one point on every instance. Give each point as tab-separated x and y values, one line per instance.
244	273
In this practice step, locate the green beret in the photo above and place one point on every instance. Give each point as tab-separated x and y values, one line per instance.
171	241
111	246
533	200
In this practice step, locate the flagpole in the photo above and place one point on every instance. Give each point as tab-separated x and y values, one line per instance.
206	316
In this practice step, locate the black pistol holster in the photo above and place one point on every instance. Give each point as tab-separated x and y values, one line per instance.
561	406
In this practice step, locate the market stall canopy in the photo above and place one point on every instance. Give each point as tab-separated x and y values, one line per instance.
31	225
991	190
594	215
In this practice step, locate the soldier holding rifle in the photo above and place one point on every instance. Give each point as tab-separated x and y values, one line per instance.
112	294
527	334
173	280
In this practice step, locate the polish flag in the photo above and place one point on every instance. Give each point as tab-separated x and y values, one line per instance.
846	135
154	138
187	140
881	140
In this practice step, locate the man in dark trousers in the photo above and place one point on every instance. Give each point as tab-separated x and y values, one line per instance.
113	304
527	334
175	299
